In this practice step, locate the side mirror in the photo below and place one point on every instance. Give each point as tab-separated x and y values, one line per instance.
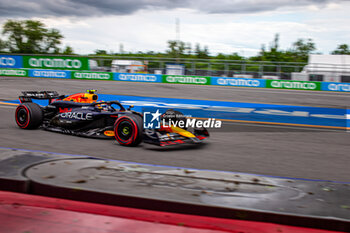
130	107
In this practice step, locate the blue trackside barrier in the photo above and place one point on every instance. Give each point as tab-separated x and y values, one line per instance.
337	118
334	86
251	112
50	74
9	61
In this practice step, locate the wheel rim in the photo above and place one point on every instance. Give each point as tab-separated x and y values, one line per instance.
125	130
22	116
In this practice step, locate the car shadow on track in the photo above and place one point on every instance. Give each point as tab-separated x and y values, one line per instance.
176	147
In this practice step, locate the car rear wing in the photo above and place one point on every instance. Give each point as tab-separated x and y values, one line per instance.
27	96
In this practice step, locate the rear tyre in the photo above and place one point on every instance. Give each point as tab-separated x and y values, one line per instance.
29	116
128	130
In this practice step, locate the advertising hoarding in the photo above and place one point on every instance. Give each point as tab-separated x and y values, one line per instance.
51	62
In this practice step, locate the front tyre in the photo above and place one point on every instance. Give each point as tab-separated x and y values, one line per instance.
128	130
29	116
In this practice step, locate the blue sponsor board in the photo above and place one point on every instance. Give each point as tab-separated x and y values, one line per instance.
134	77
238	82
334	86
50	74
8	61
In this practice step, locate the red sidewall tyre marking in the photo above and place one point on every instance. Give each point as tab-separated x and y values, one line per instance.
134	131
25	125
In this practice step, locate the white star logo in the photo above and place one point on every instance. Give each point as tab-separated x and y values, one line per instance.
156	115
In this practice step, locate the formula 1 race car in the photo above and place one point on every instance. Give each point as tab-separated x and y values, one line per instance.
82	115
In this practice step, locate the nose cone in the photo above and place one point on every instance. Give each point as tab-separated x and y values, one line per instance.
182	132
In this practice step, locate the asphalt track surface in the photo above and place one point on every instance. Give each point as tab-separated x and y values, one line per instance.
250	148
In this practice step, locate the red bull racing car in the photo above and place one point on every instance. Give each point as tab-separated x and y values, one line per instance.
82	114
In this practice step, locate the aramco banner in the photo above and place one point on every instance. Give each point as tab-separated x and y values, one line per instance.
50	62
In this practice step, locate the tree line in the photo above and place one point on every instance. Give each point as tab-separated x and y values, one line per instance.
33	37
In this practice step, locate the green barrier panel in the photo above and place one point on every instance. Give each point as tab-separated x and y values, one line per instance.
199	80
92	75
296	85
13	72
49	62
